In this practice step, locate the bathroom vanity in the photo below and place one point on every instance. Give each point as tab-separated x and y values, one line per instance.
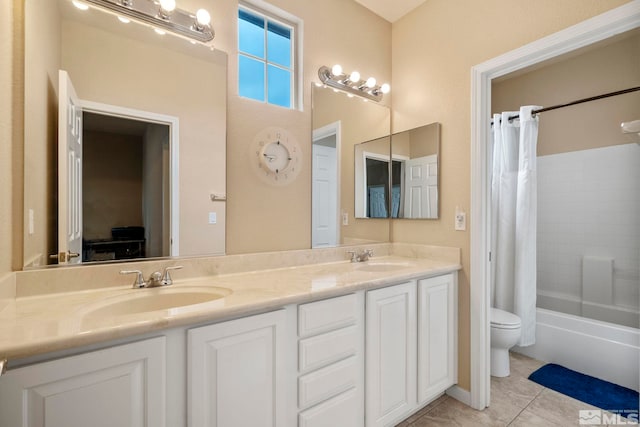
329	343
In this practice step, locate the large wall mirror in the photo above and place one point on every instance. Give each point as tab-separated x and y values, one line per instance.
397	176
149	113
341	125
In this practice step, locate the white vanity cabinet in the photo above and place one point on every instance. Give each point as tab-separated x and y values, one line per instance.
391	353
331	362
437	332
120	386
411	350
236	373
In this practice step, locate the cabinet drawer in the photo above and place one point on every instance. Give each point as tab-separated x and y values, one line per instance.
327	382
341	411
322	316
327	348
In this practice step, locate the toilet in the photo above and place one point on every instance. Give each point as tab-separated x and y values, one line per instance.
505	333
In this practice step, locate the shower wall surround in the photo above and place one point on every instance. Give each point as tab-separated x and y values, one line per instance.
589	208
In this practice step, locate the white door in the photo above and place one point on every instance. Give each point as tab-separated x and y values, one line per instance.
390	354
324	195
236	373
421	186
121	386
437	331
69	172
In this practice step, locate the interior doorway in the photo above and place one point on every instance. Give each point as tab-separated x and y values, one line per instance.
325	188
125	188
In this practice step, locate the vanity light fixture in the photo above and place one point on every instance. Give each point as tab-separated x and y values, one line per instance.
352	84
80	5
161	15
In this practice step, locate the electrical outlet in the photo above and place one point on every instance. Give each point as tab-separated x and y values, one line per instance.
460	220
345	218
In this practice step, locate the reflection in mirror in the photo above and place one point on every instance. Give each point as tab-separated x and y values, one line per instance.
414	176
340	123
125	180
126	67
371	166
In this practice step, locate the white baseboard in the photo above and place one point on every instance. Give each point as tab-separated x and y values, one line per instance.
460	394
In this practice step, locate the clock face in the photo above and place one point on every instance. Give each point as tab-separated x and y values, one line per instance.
276	156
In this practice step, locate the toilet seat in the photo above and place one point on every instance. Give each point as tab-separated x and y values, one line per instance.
503	319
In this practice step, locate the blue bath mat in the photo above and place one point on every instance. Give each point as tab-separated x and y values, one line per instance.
594	391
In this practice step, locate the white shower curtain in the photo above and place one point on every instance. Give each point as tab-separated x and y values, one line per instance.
514	211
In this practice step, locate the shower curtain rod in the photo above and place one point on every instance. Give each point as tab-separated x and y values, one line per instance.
580	101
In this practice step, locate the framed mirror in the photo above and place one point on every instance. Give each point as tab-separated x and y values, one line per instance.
139	199
340	124
414	173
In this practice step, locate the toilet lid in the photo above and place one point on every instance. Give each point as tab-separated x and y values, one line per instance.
504	319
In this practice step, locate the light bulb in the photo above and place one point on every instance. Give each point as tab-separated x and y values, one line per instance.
203	18
385	88
159	31
336	70
167	5
80	5
123	19
355	76
371	82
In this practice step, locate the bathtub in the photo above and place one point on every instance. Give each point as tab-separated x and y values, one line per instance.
600	349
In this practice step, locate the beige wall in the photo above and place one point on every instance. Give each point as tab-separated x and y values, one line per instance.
434	48
359	122
7	145
263	217
42	54
612	67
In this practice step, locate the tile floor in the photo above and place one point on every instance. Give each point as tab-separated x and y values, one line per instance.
515	402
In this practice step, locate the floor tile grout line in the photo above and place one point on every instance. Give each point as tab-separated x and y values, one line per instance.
525	408
442	399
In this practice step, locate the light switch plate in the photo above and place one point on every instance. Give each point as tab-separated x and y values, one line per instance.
213	218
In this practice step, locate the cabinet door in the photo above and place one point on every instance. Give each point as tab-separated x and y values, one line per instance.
120	386
236	373
437	363
390	354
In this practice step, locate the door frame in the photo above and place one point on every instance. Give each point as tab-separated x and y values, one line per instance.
332	129
608	24
174	152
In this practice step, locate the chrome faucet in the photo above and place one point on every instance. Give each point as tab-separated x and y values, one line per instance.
156	279
361	257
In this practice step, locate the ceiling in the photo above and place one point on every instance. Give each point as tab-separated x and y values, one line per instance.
391	10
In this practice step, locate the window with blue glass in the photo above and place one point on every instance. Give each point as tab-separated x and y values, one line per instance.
265	58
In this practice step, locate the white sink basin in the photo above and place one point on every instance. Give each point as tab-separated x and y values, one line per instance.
155	299
381	267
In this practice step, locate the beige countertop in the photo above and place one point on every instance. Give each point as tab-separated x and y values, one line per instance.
38	324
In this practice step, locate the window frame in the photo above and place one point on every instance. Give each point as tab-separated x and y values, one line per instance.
284	19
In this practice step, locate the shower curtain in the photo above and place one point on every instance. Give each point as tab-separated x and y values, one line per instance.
514	215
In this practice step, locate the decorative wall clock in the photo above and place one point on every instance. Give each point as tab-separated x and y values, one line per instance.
276	156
